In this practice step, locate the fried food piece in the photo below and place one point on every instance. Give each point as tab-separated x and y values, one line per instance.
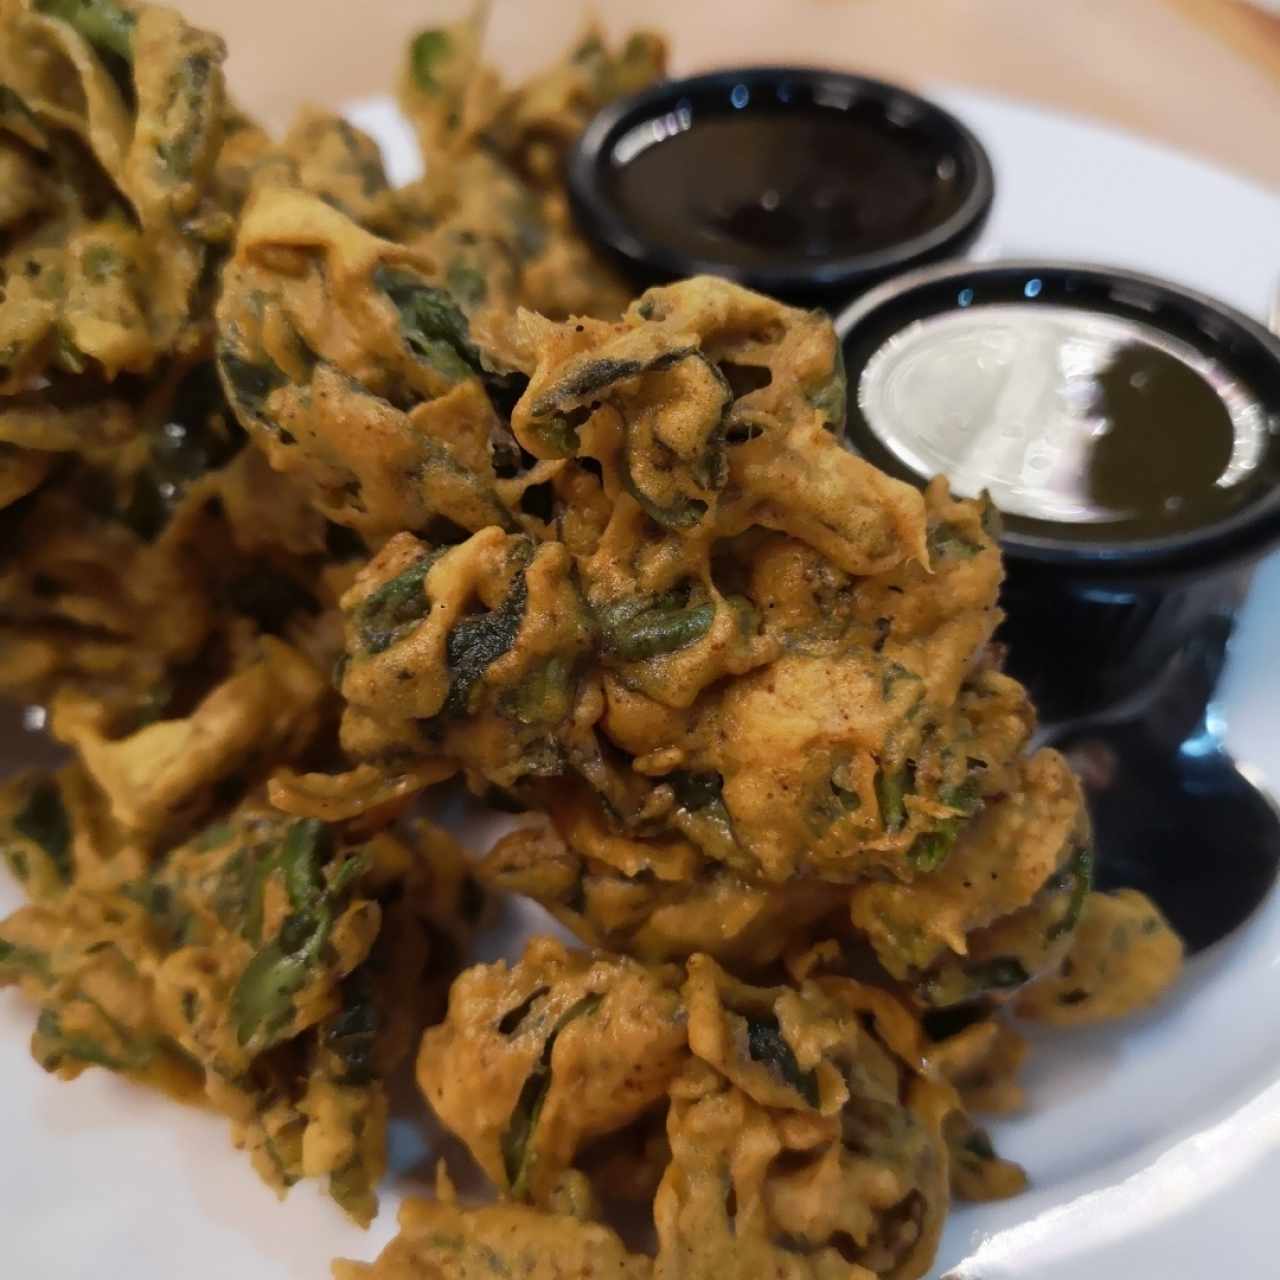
982	1061
1123	958
677	615
534	1062
491	208
439	1239
650	400
765	1041
95	547
1003	907
742	925
977	1174
677	655
454	100
468	651
163	777
120	108
354	373
83	599
663	894
534	127
445	89
800	1202
830	1149
152	536
85	961
811	1103
132	566
56	830
279	967
340	164
147	629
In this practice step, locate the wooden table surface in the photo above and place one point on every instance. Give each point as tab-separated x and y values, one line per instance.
1203	75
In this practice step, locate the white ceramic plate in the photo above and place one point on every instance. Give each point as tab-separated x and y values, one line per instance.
1153	1148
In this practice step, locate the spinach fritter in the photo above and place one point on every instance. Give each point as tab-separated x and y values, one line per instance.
315	493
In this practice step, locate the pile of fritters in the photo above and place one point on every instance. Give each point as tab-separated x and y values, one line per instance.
315	494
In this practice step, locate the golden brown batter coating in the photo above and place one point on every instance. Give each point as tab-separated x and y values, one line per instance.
814	1149
469	653
745	926
315	493
534	126
807	1126
652	399
145	532
988	916
534	1062
491	208
703	626
279	967
752	1193
439	1240
1002	907
163	777
353	372
115	117
1123	957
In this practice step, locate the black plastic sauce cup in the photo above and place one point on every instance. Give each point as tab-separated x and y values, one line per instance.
1095	619
802	183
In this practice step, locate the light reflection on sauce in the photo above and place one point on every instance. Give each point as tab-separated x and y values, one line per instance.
1067	416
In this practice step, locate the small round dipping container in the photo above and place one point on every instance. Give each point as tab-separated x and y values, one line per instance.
801	183
1128	430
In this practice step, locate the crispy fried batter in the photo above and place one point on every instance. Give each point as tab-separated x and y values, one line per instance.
808	1131
532	1063
490	208
315	493
438	1240
1122	958
276	965
813	1151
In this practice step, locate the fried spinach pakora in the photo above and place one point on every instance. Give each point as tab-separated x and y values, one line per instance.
172	601
355	374
575	1047
438	1238
775	715
280	967
777	704
133	523
812	1128
491	207
804	1126
1123	957
111	128
264	418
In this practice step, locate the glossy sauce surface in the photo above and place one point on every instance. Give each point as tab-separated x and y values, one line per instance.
771	188
1066	416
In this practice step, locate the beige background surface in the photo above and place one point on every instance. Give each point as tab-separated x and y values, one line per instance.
1201	74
